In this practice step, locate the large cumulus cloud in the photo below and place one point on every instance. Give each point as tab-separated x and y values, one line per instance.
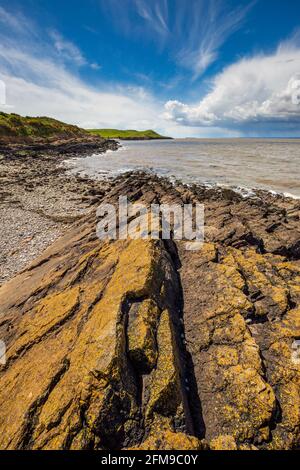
262	89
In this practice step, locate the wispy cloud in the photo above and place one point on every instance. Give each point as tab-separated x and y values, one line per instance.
17	22
193	31
67	49
39	83
139	18
211	23
17	28
155	13
70	52
43	76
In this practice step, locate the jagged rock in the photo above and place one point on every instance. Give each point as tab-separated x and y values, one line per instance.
142	344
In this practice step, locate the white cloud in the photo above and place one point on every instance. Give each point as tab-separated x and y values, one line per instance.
38	82
261	89
42	87
74	102
67	98
39	87
95	66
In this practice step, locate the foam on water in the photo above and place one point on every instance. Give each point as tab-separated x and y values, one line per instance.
244	165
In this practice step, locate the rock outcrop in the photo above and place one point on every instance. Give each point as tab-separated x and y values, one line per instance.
140	344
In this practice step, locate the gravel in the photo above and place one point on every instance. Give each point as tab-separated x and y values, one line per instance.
39	201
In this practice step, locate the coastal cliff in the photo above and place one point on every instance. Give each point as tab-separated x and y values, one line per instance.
141	344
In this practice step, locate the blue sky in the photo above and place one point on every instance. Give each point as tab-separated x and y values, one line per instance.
184	67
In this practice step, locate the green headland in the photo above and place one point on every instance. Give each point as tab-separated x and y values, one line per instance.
127	134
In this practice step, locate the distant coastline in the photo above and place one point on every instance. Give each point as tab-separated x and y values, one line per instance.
128	134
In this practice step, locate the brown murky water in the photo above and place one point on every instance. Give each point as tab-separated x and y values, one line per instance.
244	164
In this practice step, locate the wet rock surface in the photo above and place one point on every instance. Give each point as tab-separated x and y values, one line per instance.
141	344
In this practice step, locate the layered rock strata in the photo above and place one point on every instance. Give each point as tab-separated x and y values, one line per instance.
140	344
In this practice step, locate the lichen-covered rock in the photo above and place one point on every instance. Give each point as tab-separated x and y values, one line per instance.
142	344
92	353
247	382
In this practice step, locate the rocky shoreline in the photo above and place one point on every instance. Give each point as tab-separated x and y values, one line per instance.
141	344
39	200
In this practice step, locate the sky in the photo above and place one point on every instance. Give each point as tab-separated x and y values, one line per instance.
185	68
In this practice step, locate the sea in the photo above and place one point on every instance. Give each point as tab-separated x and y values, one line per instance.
242	164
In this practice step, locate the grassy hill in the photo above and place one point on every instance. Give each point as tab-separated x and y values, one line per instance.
17	128
127	135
